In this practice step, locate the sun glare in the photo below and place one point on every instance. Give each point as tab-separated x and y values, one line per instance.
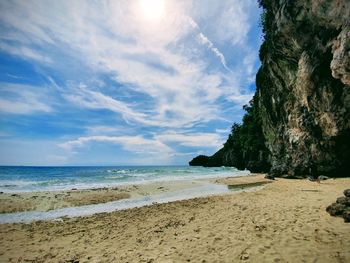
152	10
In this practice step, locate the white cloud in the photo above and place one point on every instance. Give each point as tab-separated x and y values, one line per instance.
96	100
22	99
234	22
151	150
206	41
114	39
182	109
233	19
224	131
104	129
135	144
24	52
241	99
169	64
210	140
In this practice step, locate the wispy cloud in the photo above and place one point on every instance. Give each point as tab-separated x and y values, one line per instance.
203	39
233	19
190	70
22	99
24	52
104	129
210	140
223	131
96	100
135	144
189	90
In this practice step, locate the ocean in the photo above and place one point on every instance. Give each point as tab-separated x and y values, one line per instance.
27	179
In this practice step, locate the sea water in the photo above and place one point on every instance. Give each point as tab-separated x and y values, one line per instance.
28	179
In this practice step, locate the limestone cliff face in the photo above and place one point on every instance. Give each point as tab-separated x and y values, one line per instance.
303	85
303	88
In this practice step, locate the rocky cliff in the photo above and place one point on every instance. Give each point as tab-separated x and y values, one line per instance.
245	146
303	87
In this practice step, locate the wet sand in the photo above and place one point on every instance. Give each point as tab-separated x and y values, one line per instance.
45	201
285	221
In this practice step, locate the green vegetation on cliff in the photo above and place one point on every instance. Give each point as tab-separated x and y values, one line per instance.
244	148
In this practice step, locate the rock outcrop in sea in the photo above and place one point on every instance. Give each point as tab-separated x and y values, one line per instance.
302	101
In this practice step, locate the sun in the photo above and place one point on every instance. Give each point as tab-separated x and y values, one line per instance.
152	10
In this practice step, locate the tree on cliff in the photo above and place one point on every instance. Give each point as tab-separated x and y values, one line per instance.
244	148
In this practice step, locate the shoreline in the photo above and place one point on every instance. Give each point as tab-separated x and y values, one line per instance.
280	223
70	204
44	201
16	186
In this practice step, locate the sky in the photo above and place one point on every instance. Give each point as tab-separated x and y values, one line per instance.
125	82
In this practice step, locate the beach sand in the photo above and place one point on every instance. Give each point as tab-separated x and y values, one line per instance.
45	201
285	221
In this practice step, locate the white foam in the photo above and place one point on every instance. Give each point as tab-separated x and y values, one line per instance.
200	191
32	186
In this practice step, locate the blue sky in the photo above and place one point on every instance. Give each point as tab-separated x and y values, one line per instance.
129	82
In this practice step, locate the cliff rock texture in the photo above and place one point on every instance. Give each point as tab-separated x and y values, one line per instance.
303	87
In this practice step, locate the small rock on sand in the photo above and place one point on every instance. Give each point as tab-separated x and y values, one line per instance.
347	192
270	176
244	256
336	209
344	200
346	216
341	207
322	178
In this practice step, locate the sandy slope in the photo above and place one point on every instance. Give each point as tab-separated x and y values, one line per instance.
284	222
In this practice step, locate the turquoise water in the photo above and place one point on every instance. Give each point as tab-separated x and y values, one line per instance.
26	179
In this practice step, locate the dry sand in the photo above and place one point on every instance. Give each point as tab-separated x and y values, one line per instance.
285	221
